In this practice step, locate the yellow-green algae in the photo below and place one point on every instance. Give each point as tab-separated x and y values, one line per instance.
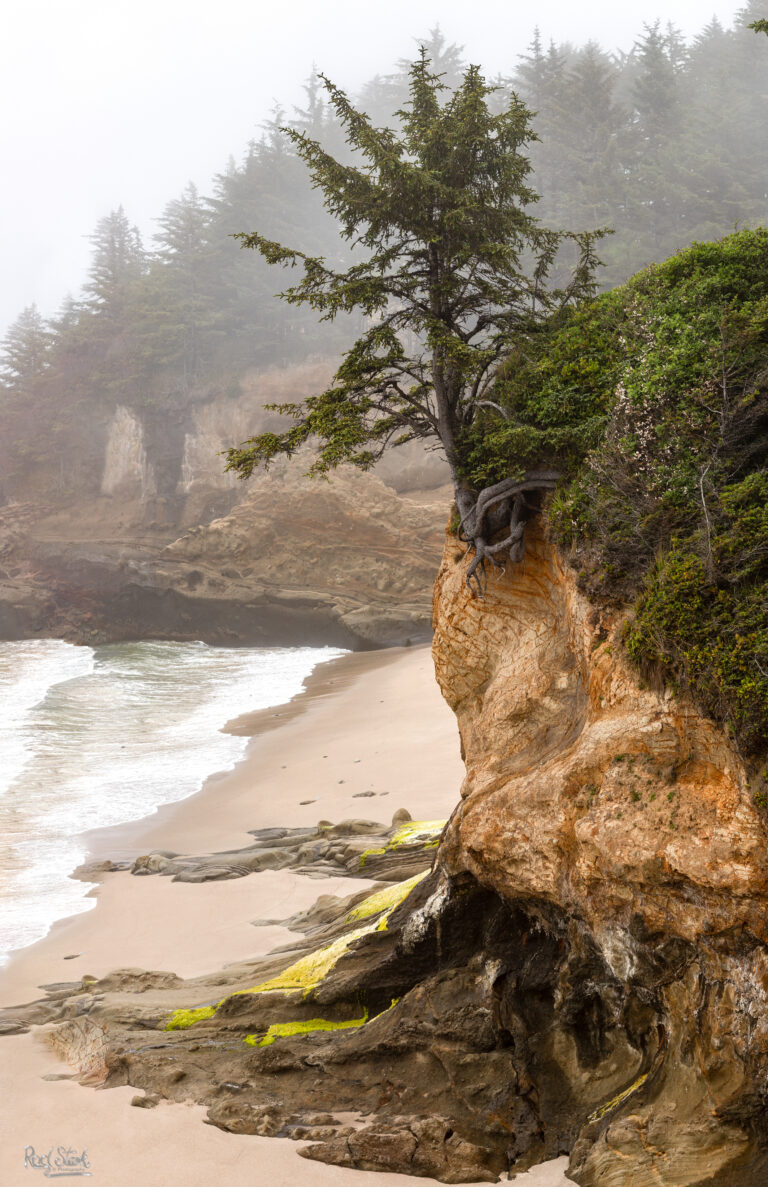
617	1100
391	897
181	1019
300	977
285	1030
307	973
413	830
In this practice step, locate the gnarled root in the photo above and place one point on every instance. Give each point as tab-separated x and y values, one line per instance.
502	508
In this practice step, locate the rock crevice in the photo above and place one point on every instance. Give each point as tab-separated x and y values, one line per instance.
625	810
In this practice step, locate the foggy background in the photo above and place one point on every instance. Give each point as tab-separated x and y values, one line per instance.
114	103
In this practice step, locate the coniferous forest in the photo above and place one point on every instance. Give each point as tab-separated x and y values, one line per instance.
665	145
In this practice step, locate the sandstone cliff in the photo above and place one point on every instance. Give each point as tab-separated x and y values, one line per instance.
621	821
582	968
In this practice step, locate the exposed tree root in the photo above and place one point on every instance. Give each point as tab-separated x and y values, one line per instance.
493	523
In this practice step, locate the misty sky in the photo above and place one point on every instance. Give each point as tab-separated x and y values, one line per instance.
106	102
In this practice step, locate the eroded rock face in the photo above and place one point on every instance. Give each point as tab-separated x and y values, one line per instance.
583	969
348	550
631	815
141	533
347	562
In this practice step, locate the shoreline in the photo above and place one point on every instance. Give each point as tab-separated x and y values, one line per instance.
187	826
367	722
125	841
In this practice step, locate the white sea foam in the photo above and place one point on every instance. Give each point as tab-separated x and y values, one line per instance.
28	669
95	738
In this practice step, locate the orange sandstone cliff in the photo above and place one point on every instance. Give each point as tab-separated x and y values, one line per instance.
625	820
579	968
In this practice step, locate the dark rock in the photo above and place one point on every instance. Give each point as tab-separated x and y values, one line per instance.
13	1026
425	1147
353	846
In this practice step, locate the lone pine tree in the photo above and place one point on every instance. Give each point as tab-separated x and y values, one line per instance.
453	270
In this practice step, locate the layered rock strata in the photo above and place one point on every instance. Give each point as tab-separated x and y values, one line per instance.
346	561
624	822
582	969
140	532
356	847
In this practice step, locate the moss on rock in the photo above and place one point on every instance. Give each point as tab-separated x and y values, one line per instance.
182	1019
385	900
426	832
306	974
288	1030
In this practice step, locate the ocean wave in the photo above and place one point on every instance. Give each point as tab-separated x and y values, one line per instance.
101	737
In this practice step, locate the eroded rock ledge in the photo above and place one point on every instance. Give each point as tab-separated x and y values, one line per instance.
583	969
631	816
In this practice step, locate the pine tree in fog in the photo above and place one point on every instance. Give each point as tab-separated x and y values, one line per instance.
268	188
665	144
180	298
117	265
25	350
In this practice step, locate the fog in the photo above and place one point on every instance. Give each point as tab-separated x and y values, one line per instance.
117	103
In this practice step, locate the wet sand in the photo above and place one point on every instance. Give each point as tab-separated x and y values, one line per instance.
372	722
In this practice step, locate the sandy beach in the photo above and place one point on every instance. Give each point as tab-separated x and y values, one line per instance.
365	723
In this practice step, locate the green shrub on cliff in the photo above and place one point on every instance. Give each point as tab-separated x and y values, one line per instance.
658	392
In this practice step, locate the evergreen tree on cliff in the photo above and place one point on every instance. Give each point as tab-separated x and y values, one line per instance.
25	350
117	266
451	269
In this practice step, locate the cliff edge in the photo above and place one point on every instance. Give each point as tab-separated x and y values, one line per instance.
624	820
575	964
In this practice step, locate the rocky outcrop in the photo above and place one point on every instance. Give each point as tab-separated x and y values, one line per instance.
345	561
356	847
347	548
127	472
625	822
580	968
147	536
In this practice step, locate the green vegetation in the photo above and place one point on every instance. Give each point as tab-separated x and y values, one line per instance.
666	144
614	1103
305	974
183	1019
451	267
286	1030
302	976
659	391
384	900
426	831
